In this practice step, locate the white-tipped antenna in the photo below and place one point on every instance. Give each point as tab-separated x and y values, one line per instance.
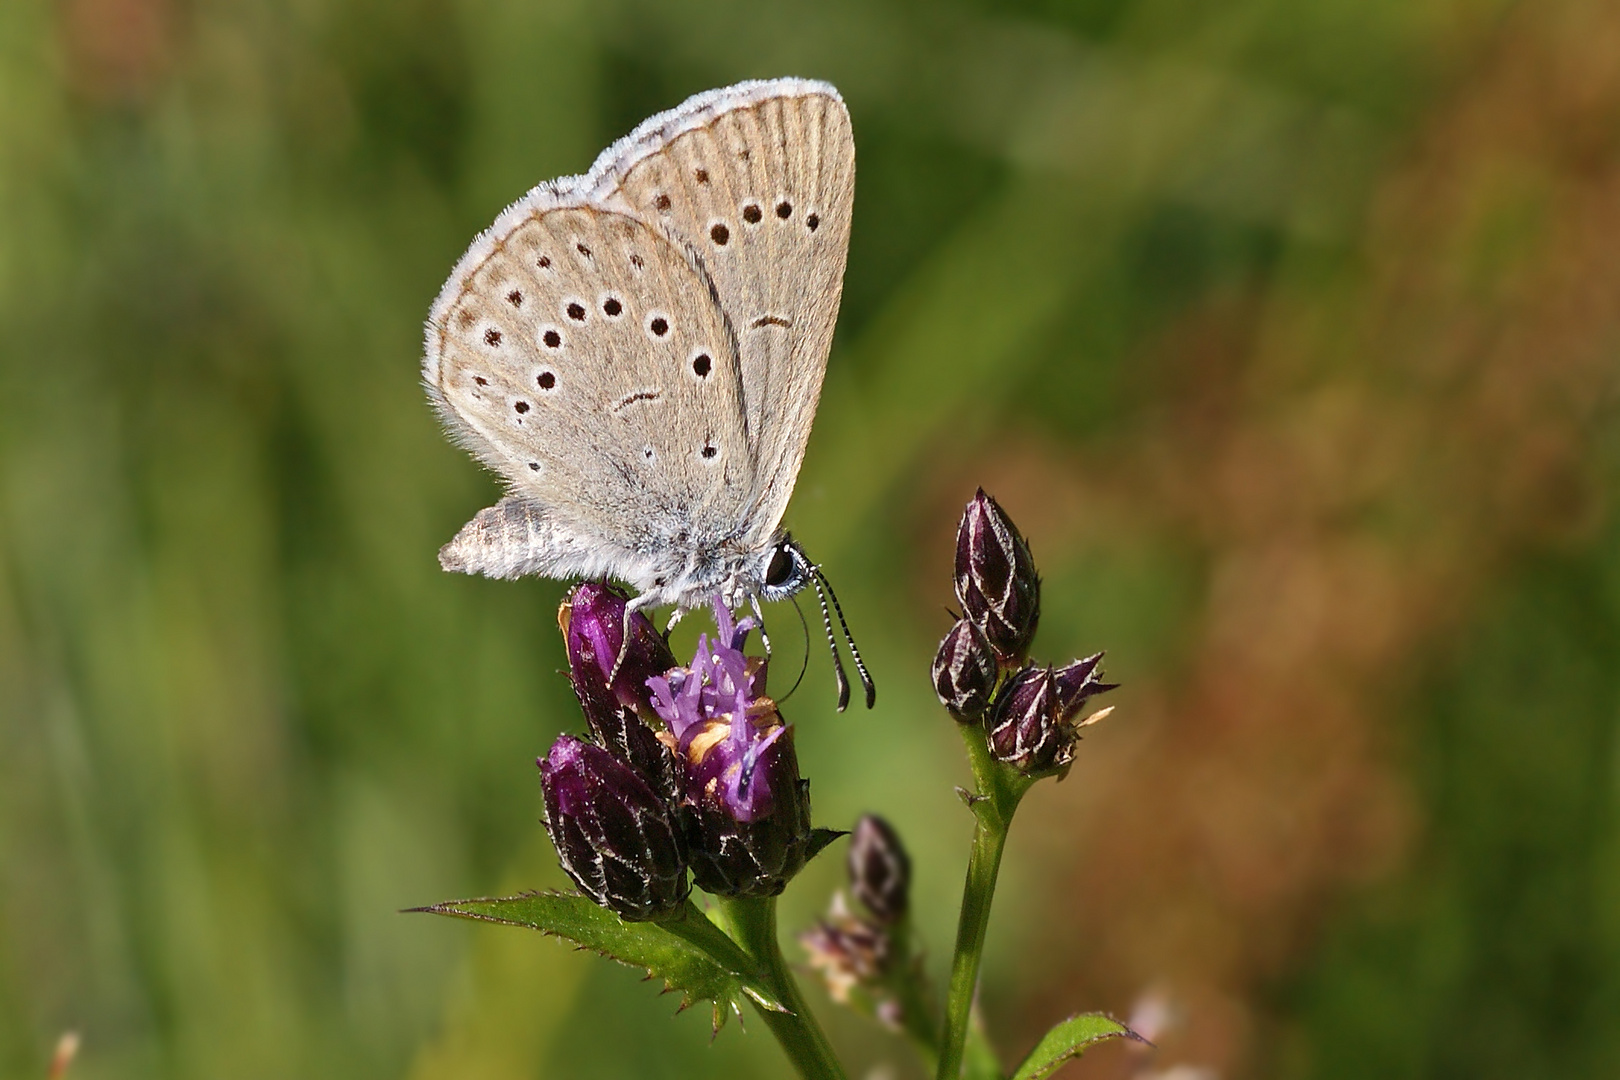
860	665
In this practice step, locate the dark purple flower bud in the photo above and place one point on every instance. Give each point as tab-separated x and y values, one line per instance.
996	580
965	672
1033	727
879	869
1024	731
1079	680
614	836
745	809
593	624
847	952
592	621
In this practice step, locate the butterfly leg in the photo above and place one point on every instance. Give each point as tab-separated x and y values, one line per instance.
630	609
759	616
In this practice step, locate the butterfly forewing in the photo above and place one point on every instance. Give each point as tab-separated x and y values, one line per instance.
759	181
584	357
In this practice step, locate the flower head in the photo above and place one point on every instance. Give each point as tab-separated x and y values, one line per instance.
847	951
593	623
719	770
725	730
747	811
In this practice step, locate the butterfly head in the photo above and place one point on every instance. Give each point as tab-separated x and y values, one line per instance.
787	570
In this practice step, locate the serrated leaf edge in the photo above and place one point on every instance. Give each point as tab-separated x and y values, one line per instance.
688	998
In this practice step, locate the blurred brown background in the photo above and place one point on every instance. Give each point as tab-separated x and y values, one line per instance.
1288	333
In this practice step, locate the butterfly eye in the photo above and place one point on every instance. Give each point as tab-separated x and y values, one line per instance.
780	572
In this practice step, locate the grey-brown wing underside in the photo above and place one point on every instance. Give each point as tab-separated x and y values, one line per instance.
759	179
581	354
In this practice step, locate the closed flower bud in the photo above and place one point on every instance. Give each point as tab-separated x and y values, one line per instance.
879	869
621	732
965	672
592	621
1033	727
1079	680
996	580
614	836
1024	731
593	624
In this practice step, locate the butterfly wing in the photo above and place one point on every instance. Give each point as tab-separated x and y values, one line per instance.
581	353
759	180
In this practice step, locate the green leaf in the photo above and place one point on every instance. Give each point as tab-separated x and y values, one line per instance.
1068	1040
695	972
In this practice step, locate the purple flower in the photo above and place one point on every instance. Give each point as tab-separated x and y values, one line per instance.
718	784
727	732
615	836
745	808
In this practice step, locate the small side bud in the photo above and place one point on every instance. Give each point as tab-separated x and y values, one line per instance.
613	835
1024	731
965	672
879	869
848	952
1033	727
996	580
1078	681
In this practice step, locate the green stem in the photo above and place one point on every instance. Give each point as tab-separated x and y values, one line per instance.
917	1014
907	985
998	796
692	925
752	922
981	1060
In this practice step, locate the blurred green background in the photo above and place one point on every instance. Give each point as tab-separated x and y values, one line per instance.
1287	331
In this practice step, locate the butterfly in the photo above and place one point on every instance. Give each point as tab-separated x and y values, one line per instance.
638	352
